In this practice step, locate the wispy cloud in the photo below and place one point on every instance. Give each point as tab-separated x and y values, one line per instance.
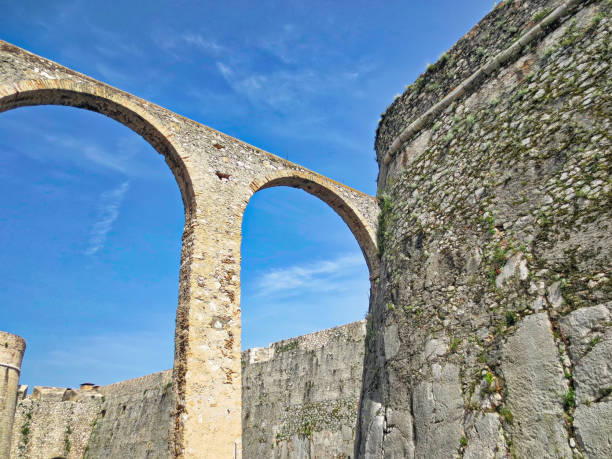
113	45
202	43
93	153
293	280
280	90
321	294
181	46
110	203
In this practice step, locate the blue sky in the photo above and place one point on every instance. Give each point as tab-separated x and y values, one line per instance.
91	218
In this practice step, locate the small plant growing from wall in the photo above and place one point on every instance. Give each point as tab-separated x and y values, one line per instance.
569	399
25	433
67	445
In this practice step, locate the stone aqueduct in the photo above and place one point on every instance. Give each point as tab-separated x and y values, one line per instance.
490	324
216	175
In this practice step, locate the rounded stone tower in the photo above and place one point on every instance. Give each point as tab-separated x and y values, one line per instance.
12	348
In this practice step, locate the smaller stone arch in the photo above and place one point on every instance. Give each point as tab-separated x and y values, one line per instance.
358	210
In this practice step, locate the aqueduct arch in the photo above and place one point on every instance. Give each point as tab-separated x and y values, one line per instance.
89	97
323	188
217	175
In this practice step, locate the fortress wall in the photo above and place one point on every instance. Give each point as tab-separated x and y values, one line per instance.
300	396
48	426
135	419
126	419
508	21
491	330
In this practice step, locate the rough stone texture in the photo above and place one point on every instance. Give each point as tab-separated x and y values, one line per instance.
300	396
127	419
500	28
493	243
485	439
535	384
592	424
216	175
589	338
437	412
300	400
134	419
48	425
494	226
12	348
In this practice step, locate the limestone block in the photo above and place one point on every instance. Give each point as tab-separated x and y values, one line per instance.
399	441
536	385
485	438
593	372
593	425
579	325
374	431
438	412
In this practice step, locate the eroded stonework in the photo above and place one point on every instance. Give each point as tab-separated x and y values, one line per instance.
489	329
300	399
490	320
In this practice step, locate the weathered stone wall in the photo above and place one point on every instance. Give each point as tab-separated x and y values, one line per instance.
490	331
300	399
128	419
54	422
134	419
508	21
300	396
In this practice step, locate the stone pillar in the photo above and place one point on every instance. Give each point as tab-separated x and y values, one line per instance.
12	348
207	369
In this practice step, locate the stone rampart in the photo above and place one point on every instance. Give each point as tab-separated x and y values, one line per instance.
490	321
300	399
508	21
300	396
127	419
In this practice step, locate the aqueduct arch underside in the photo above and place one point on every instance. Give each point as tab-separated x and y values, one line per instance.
217	175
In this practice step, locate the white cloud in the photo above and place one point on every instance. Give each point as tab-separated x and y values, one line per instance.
110	203
181	46
94	153
111	73
224	69
281	90
204	44
294	280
